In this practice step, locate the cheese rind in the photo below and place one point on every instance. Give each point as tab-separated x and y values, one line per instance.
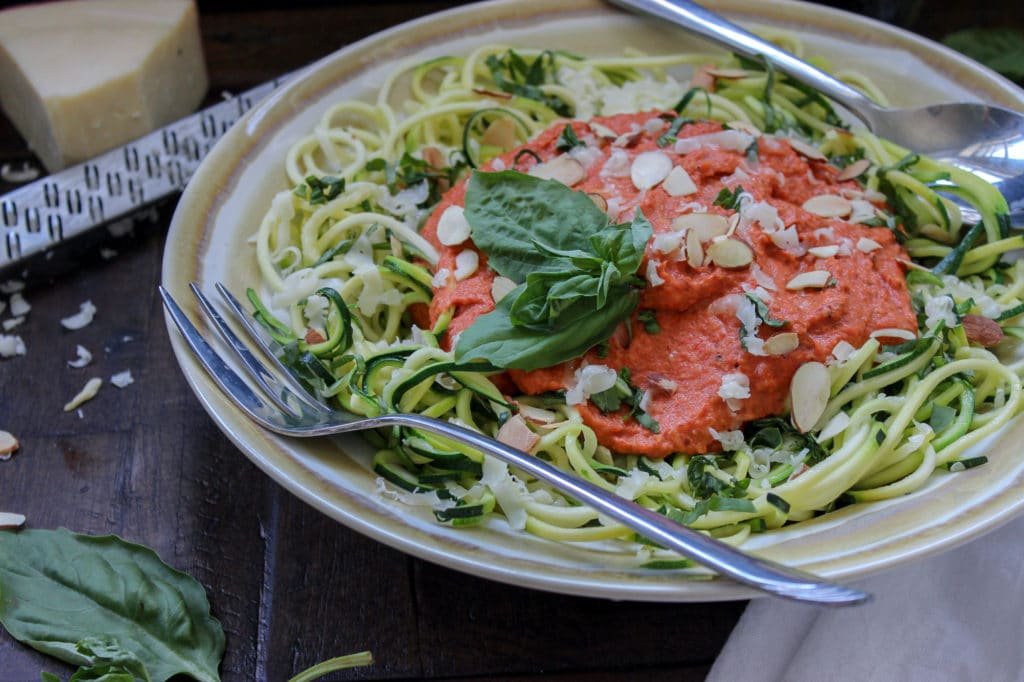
80	77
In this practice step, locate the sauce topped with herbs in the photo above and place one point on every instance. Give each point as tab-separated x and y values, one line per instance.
758	262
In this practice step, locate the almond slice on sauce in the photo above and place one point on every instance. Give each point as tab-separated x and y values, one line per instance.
678	183
8	444
730	253
828	206
706	225
824	251
694	249
808	394
783	343
564	169
10	520
814	279
602	131
854	170
649	169
806	150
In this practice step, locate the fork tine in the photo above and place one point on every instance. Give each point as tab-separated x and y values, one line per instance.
291	402
286	375
222	374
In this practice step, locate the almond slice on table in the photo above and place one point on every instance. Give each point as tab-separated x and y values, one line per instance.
8	444
809	392
10	520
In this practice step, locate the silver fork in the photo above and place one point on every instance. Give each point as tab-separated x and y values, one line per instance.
289	410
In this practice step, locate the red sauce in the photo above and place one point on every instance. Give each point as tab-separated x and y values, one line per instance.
683	365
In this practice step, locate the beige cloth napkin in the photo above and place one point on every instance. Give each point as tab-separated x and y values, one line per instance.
955	616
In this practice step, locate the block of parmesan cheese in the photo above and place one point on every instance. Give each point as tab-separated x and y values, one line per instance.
80	77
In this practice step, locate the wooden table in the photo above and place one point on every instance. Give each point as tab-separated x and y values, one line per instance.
290	586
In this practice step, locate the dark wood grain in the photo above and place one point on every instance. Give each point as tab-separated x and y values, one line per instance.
290	586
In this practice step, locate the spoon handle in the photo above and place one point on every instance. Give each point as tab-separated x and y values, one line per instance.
706	23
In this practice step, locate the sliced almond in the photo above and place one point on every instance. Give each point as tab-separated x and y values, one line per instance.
603	131
493	93
8	444
87	393
745	126
500	133
783	343
982	331
806	150
649	169
10	520
694	249
678	183
706	225
433	157
501	287
628	139
824	251
854	170
727	73
599	201
867	245
730	253
808	395
452	226
815	279
828	206
564	169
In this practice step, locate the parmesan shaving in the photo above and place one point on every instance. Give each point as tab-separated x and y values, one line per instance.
84	316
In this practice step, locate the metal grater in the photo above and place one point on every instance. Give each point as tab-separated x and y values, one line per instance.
47	211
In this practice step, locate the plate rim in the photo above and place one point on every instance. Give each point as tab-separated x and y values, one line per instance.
196	212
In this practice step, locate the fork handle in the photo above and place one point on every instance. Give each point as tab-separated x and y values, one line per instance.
762	574
706	23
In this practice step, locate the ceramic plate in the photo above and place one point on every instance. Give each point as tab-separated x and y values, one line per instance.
228	196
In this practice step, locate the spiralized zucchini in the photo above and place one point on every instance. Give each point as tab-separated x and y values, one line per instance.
342	262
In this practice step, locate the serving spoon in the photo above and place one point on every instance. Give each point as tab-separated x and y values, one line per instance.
981	138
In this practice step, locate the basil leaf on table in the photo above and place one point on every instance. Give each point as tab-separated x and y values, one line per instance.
576	272
58	589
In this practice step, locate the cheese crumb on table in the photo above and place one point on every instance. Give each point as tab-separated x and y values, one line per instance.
78	78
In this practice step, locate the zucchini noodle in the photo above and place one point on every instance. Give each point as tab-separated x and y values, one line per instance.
342	263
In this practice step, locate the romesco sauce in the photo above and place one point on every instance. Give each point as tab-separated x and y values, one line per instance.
700	342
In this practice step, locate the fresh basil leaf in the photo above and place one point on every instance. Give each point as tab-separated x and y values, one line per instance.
59	589
509	210
494	338
763	313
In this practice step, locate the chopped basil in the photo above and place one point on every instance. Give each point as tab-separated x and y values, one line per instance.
650	321
568	140
729	199
320	190
761	308
517	75
625	393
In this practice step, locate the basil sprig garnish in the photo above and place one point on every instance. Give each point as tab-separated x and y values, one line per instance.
575	270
